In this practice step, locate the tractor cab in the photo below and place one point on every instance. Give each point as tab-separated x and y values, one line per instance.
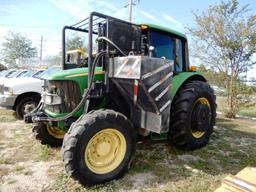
164	43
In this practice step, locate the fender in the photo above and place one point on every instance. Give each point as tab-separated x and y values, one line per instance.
181	78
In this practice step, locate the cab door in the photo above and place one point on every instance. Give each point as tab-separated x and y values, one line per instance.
168	47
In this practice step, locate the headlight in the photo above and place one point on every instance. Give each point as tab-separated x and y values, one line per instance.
8	91
51	99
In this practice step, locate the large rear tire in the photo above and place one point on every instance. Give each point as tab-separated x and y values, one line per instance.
99	147
48	135
193	115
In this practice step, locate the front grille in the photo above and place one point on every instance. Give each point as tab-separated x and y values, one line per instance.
69	92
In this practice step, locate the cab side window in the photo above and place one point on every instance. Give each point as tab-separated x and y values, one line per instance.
179	56
169	47
164	45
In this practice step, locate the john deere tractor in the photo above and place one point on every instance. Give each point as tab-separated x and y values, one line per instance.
138	83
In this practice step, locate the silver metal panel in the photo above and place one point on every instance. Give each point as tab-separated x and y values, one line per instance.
137	67
125	67
151	121
160	82
147	82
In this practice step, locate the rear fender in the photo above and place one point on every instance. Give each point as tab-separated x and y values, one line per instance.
180	79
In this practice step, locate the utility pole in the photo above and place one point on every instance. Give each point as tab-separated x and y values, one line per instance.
41	50
130	10
130	4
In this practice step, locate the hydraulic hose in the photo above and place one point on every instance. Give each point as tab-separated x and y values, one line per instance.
37	107
112	43
85	95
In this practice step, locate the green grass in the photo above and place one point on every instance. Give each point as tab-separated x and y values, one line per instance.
249	111
6	161
44	152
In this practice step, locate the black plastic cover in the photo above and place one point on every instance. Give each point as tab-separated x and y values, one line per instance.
126	36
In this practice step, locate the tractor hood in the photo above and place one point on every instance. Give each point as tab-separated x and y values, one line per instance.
78	75
71	74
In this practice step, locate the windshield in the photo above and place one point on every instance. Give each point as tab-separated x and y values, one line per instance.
22	73
7	73
3	73
27	74
37	73
48	72
12	74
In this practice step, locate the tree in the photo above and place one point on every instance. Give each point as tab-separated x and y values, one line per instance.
16	49
213	77
2	67
53	60
75	42
225	39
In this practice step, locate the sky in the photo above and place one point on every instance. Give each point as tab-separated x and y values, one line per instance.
46	18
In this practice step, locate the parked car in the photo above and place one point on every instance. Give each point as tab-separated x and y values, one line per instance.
2	73
12	73
6	73
23	95
32	73
18	73
218	90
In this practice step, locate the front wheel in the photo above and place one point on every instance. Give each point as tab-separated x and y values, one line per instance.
193	115
48	135
99	147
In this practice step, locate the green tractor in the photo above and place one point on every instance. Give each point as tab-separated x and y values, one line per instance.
139	83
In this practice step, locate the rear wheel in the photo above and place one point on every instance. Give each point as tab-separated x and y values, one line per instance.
48	135
193	115
99	147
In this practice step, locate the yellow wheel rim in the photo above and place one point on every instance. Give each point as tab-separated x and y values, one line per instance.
55	132
201	101
198	134
105	151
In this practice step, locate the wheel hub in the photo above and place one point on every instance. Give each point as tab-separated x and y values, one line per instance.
103	148
201	117
105	151
28	107
55	132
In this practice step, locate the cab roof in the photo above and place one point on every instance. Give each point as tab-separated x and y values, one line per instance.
165	29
